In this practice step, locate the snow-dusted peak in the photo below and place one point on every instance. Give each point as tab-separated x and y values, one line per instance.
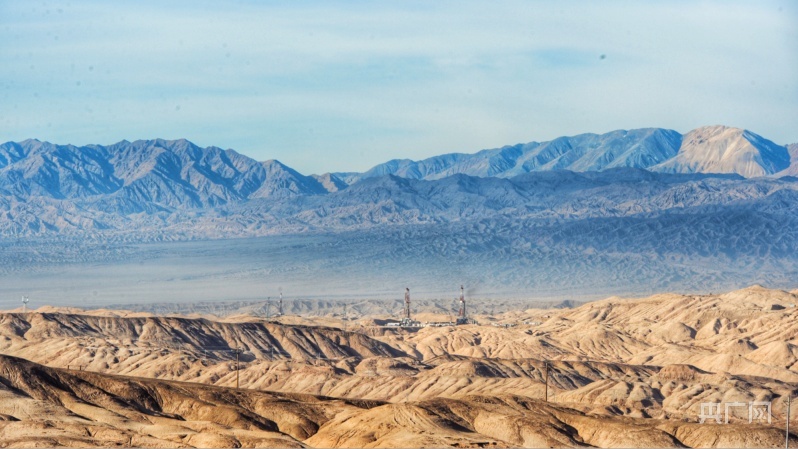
723	149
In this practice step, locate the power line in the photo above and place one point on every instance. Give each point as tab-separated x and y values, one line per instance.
546	389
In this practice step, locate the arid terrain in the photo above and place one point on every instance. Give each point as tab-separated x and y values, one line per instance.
621	373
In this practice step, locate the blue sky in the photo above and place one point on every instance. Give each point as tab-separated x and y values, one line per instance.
342	86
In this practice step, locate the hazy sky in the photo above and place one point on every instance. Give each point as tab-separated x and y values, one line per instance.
337	86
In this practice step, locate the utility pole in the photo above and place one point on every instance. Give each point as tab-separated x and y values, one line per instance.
546	394
787	431
238	352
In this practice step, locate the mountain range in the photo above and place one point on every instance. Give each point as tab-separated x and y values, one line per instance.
50	189
711	149
612	373
151	175
577	217
143	175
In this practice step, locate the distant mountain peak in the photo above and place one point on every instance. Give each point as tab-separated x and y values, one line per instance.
144	174
640	148
724	149
708	149
159	174
273	163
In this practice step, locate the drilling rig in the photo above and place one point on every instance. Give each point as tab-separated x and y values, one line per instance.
407	303
406	320
462	315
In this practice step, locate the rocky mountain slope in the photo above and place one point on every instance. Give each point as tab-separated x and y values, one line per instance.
561	234
136	187
542	236
718	149
178	173
93	340
711	149
793	168
620	373
601	348
52	407
144	176
392	200
49	407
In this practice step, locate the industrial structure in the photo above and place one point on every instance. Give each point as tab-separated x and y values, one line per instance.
407	303
407	320
461	315
280	304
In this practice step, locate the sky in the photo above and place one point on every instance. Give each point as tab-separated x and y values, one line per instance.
343	85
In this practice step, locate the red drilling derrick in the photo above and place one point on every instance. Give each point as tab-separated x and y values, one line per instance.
462	313
407	303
